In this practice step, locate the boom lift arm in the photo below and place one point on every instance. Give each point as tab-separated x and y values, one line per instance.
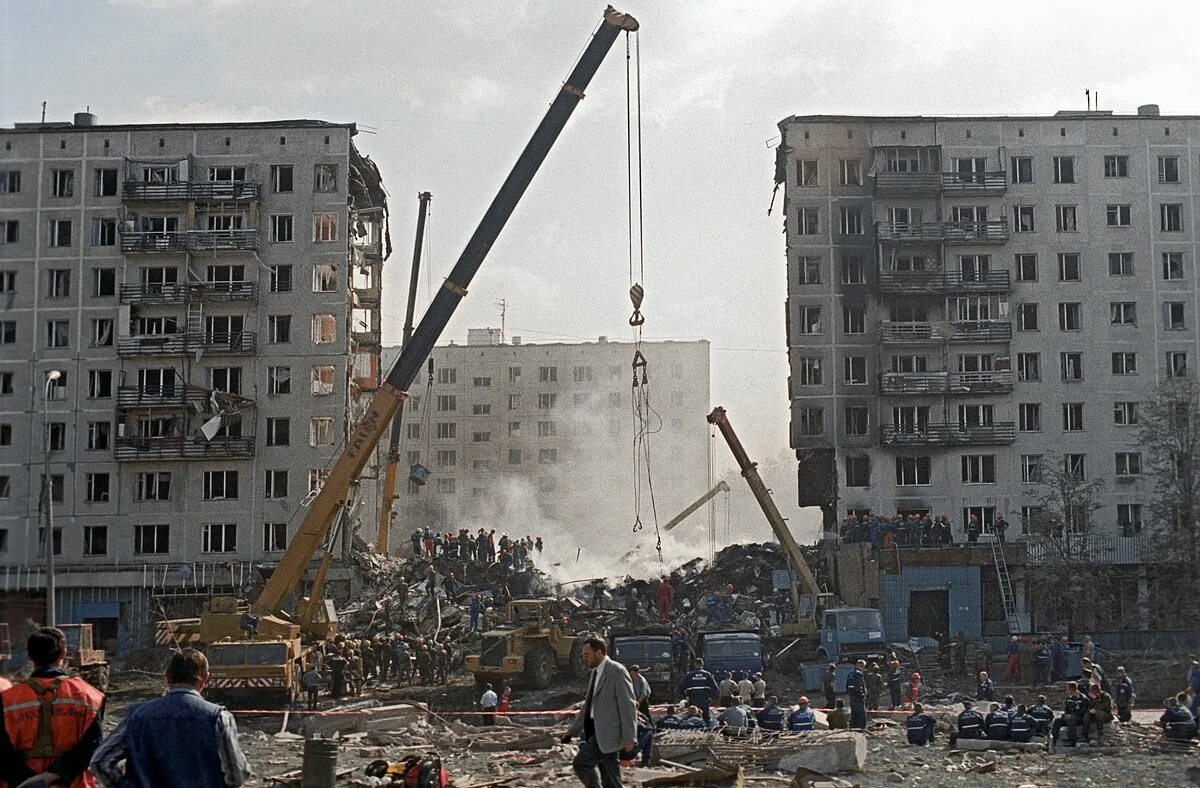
365	437
703	499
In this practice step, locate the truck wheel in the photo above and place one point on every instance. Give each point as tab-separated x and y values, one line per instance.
97	676
578	669
539	669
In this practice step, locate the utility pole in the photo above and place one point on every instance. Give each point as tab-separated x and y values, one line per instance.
48	492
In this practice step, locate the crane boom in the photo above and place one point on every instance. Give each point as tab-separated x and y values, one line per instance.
703	499
393	455
761	494
366	434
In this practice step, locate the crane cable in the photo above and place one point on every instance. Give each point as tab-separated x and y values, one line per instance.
646	421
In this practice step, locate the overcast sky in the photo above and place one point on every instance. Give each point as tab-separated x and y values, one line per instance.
451	91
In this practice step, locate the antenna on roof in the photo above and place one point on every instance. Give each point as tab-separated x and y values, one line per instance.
1088	93
43	112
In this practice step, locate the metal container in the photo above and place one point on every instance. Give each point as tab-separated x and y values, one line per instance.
319	767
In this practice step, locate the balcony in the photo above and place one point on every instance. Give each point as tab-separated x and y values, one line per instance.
220	343
183	449
937	282
994	231
190	241
997	434
914	382
192	191
193	291
974	183
981	330
908	183
910	333
176	396
937	383
991	382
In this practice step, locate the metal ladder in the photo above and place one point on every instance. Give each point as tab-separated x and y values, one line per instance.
1006	590
195	317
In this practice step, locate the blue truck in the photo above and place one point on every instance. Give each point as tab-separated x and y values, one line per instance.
732	651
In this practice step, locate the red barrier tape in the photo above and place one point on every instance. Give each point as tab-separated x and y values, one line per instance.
546	713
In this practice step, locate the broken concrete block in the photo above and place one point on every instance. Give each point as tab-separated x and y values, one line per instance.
981	745
839	751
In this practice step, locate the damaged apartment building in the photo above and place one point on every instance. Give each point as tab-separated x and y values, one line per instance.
189	323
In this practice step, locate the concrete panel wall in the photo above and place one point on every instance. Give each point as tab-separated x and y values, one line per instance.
963	583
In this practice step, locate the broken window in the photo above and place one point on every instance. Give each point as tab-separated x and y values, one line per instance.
320	431
324	227
322	380
325	178
324	329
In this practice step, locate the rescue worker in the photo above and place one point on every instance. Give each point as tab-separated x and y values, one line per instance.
1042	715
970	723
745	686
337	675
424	666
1021	726
631	609
725	689
919	726
312	686
838	718
856	688
1125	696
1099	713
367	655
1075	707
1177	721
1094	674
987	687
443	665
403	660
996	723
874	686
51	722
895	684
699	687
475	610
356	672
738	718
912	690
641	689
829	685
759	697
771	717
664	596
801	718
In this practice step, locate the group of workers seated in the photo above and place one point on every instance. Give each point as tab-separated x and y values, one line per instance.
739	719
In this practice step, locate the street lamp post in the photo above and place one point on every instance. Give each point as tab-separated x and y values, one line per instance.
48	491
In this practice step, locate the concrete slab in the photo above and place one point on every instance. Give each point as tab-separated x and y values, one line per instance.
832	753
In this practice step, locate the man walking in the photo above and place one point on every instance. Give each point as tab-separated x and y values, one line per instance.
51	722
178	739
856	688
607	723
487	704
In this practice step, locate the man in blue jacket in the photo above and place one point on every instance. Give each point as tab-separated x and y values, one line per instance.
970	723
856	688
919	726
699	687
802	718
1021	725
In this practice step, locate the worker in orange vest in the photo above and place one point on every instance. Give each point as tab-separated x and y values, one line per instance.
51	722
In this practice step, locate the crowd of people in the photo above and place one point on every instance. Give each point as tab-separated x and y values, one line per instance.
915	530
482	548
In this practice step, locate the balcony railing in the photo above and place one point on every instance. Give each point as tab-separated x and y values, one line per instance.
956	183
994	382
944	281
192	291
994	231
996	434
981	330
222	343
910	333
173	396
917	333
1081	549
900	183
190	241
191	191
183	448
914	382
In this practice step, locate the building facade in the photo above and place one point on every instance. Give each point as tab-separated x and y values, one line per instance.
539	439
189	316
971	298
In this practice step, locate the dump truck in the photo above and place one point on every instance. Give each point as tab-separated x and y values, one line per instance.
255	672
530	647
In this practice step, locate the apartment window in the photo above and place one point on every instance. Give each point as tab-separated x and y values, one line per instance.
854	320
1027	317
1064	169
1172	264
851	221
279	431
447	430
447	458
57	390
324	329
279	329
320	431
1171	217
808	319
979	469
547	456
1072	417
276	484
807	221
58	284
6	435
1123	313
1129	518
10	231
447	376
1116	166
808	271
95	540
218	538
227	379
1070	316
547	401
853	272
812	421
851	172
446	486
60	232
322	380
281	178
1120	264
1064	218
485	408
274	537
316	479
481	437
281	279
447	403
1022	169
858	471
104	232
10	181
227	174
279	380
1031	468
1027	268
810	371
100	383
325	278
1029	415
1129	463
913	471
324	227
1023	221
220	485
63	183
514	401
1168	169
1071	365
98	435
1119	215
1125	414
855	370
1177	366
548	374
1124	363
104	282
5	494
581	374
514	429
153	486
58	333
151	539
514	374
806	173
514	456
1075	466
1174	316
325	178
282	227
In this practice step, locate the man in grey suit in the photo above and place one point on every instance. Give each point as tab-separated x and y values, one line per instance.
607	723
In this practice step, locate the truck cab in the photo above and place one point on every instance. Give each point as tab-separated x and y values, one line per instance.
732	651
650	651
254	670
850	632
